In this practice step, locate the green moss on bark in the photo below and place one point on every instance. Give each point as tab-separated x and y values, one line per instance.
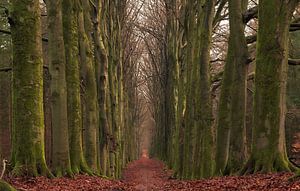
268	144
205	163
231	135
28	156
70	25
4	186
88	76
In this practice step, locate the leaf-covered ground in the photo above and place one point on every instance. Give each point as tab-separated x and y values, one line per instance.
150	174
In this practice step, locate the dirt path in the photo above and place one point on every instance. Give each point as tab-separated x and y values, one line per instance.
150	174
146	174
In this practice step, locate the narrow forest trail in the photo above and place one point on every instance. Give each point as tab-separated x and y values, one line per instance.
146	174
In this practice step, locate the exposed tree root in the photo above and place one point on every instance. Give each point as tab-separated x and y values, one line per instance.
31	170
278	163
60	172
4	186
82	169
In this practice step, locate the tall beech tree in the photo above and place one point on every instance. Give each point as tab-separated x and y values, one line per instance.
95	103
204	164
115	63
268	145
28	156
101	64
70	33
231	131
171	77
88	76
191	76
61	157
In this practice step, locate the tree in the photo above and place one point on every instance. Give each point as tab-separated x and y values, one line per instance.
28	157
101	65
231	131
5	87
70	33
205	162
88	78
61	157
268	145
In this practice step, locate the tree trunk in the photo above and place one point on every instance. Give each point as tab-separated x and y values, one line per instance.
205	163
268	144
191	74
89	86
230	158
28	156
98	18
70	26
60	145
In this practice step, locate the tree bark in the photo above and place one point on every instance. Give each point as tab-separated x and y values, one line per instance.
28	155
101	61
231	133
70	32
204	168
268	145
60	145
88	77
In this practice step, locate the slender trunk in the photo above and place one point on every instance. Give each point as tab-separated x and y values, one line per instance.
70	26
189	137
101	74
238	54
204	124
60	153
89	86
231	132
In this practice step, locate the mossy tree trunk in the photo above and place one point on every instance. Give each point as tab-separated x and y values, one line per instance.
268	145
191	74
60	154
101	59
205	163
231	132
70	32
28	156
5	92
4	186
171	80
181	80
88	77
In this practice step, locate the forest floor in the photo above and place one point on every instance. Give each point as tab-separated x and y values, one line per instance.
150	174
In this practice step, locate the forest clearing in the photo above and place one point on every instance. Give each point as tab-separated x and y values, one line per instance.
149	95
